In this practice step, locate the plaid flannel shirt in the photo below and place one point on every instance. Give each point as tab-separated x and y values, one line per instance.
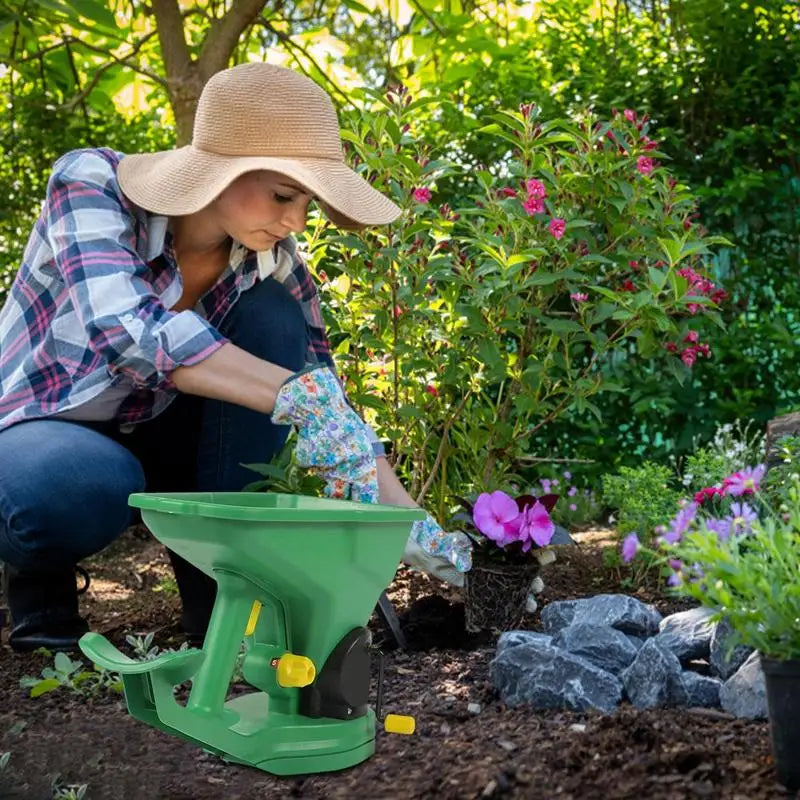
88	312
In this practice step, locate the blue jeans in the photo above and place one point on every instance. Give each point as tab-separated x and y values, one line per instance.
64	485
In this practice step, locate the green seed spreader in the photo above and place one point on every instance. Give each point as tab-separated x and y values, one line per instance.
297	579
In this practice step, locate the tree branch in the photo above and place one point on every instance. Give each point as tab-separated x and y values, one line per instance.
171	36
223	35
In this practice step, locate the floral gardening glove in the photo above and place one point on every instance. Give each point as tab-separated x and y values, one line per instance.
446	555
332	441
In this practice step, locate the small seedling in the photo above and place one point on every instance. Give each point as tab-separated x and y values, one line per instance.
68	791
71	675
167	585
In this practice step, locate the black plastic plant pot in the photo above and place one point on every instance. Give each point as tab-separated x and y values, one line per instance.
782	680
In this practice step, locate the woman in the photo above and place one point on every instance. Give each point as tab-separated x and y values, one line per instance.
162	331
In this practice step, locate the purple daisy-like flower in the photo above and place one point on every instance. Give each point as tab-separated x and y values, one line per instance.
745	481
722	527
741	518
678	526
630	545
492	512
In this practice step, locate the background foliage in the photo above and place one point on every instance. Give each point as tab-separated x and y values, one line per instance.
720	81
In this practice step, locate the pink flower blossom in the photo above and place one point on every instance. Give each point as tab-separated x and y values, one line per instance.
507	191
645	165
535	188
533	205
692	336
689	356
579	297
432	390
745	481
649	144
422	195
557	227
630	114
492	512
535	527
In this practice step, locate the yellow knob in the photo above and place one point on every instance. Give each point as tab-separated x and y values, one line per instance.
397	723
295	670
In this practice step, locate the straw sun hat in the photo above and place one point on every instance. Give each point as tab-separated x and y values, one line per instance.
256	117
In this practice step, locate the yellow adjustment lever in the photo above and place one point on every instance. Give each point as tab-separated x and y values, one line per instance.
397	723
295	670
251	622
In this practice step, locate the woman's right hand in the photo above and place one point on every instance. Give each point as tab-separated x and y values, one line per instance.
332	440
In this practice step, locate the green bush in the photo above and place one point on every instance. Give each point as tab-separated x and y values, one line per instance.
643	497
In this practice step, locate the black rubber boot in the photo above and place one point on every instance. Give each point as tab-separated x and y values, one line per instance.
198	593
44	609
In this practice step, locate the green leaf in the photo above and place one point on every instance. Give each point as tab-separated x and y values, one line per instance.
45	686
561	326
267	470
354	5
672	250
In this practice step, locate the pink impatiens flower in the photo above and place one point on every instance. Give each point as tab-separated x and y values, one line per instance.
491	514
533	205
579	297
645	165
557	227
535	527
422	195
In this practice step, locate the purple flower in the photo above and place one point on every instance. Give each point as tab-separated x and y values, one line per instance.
573	490
745	481
742	518
492	512
678	526
573	507
630	544
722	527
536	527
567	474
545	485
675	579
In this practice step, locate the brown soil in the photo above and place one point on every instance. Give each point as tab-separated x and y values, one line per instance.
455	753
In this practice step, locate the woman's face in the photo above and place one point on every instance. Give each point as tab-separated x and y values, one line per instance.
260	208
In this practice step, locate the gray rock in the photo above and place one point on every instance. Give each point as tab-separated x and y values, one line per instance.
516	638
603	646
543	676
703	690
724	659
636	641
620	611
688	633
744	694
655	678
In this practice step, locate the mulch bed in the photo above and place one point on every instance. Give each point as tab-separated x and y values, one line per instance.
467	743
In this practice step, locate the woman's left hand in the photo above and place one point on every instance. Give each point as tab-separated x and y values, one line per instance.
446	555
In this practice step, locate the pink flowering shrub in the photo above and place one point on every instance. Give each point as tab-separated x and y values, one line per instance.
501	297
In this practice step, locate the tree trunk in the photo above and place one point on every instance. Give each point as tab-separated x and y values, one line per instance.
186	76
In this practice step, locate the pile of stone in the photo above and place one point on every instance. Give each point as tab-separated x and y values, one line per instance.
596	652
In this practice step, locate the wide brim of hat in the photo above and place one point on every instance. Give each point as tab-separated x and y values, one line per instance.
185	180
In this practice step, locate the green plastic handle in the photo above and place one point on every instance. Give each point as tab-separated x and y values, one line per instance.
96	647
